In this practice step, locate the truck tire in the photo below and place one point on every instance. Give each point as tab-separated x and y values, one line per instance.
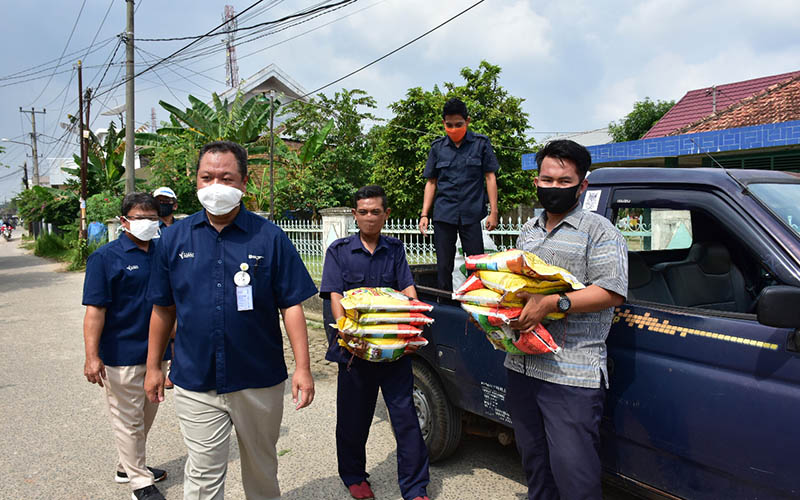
439	420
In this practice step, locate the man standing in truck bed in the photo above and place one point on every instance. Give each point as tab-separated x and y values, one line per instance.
458	164
556	399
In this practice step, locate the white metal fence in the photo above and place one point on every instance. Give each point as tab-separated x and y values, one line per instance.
308	239
419	248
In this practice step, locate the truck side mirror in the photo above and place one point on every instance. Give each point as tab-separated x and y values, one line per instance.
778	306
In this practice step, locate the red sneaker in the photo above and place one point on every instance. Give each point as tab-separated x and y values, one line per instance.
361	490
422	498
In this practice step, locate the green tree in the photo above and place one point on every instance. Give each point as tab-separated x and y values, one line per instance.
105	167
336	157
41	204
173	148
403	144
174	164
636	123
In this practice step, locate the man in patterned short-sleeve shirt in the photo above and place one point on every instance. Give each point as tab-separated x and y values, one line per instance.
556	400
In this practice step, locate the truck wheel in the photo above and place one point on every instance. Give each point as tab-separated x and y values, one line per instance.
439	420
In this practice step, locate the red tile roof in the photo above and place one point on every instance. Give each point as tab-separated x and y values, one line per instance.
778	103
697	104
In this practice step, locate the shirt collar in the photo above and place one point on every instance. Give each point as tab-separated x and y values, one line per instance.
128	245
572	218
242	220
468	137
356	244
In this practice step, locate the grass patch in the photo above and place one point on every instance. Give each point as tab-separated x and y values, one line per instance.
63	249
51	246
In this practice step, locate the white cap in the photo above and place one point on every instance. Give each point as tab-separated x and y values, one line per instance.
165	191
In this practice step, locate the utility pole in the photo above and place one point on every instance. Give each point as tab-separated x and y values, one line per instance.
82	134
271	155
130	165
24	168
33	142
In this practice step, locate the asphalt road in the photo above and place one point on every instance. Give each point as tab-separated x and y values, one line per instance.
57	442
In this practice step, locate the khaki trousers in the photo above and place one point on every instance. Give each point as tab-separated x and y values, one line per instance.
206	419
131	415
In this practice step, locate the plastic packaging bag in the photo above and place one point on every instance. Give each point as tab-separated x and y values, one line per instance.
368	299
509	284
394	330
521	262
375	318
378	349
474	292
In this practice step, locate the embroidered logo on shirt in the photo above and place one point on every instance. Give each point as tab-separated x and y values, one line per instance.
255	257
186	255
132	268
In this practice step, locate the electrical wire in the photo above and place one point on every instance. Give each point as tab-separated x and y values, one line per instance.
149	68
247	28
398	49
69	39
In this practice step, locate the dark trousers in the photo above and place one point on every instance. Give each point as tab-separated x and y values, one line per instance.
356	396
444	240
557	429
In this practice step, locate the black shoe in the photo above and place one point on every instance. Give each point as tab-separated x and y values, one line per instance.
158	475
147	493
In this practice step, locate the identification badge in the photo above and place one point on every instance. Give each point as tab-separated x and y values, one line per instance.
241	278
244	298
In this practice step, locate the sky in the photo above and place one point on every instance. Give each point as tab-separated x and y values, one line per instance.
577	64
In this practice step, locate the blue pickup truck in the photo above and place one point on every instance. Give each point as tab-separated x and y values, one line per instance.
704	357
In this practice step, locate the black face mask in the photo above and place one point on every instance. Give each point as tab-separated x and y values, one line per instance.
558	200
165	209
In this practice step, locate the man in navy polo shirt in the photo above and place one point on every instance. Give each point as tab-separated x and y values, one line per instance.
458	166
372	260
228	275
115	331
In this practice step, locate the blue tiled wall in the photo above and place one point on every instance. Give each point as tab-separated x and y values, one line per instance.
734	139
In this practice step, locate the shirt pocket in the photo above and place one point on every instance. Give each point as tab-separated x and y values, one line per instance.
389	279
352	279
474	168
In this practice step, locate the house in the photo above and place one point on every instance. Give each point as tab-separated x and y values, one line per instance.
761	130
701	103
270	78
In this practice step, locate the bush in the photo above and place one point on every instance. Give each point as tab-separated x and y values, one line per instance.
51	246
103	206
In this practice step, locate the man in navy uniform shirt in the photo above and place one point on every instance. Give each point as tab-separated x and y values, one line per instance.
368	259
458	164
115	331
228	275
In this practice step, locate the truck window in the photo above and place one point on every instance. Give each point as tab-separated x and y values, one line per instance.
647	229
781	199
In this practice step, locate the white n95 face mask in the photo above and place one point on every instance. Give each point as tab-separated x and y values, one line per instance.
219	199
144	229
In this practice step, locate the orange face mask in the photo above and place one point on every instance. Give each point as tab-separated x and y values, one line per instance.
456	134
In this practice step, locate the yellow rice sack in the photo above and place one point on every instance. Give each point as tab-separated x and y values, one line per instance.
368	299
509	283
377	349
374	318
473	292
393	330
521	262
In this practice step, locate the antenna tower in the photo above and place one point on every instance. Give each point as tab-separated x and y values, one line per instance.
231	66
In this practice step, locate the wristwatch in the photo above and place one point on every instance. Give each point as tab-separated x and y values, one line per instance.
563	303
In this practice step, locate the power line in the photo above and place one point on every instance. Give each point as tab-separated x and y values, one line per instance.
381	58
247	28
27	71
75	25
181	49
